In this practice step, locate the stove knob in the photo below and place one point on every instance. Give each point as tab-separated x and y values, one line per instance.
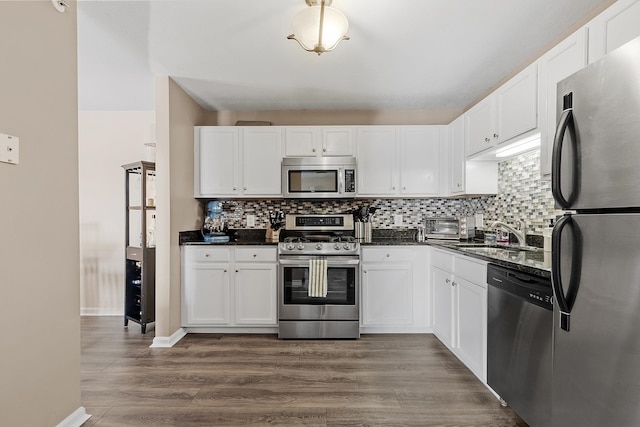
336	247
300	246
346	246
319	246
291	246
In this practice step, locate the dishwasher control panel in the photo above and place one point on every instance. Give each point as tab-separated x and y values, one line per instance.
534	289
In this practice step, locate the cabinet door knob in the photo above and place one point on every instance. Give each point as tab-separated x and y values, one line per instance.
255	255
364	271
313	150
234	188
237	271
453	283
447	281
495	135
388	255
404	188
324	150
487	140
207	255
225	270
393	188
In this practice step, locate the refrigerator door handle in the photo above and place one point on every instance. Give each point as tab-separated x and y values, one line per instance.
558	289
556	159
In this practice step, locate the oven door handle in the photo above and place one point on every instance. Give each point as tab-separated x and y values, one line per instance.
304	262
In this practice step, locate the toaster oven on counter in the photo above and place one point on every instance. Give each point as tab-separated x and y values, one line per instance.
462	228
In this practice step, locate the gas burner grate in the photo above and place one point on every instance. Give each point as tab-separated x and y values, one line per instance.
296	239
343	239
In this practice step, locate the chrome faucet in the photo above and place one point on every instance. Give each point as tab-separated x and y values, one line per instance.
521	233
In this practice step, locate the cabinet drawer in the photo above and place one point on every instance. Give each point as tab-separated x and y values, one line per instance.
472	270
208	254
254	254
442	260
387	254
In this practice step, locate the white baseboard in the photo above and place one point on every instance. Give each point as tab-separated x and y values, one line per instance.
231	330
395	330
166	342
76	419
97	311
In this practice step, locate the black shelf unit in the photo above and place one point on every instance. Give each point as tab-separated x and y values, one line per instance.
140	258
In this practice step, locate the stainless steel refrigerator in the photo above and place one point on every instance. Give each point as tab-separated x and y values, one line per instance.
596	246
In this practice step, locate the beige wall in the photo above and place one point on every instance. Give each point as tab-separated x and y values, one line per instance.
106	140
176	115
39	267
340	117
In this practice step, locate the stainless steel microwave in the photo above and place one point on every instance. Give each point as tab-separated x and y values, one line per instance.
462	228
319	177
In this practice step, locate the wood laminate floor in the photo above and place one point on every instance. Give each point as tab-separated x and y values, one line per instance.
238	380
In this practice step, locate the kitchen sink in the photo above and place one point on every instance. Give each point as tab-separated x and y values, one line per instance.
489	247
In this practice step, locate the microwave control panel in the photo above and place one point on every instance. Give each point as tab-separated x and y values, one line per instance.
350	181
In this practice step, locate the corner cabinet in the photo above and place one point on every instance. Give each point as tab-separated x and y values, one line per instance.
510	111
460	308
140	258
227	288
237	161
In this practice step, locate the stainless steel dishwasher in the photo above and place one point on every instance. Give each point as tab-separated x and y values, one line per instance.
519	342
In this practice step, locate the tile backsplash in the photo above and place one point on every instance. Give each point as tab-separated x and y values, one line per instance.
521	196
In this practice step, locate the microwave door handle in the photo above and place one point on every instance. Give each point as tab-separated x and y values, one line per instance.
340	181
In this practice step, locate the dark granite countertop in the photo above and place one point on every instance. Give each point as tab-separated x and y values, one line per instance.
253	236
537	262
533	262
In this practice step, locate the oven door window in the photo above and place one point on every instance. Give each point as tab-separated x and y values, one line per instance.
313	181
341	286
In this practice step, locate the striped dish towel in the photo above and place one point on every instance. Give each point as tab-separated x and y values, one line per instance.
318	277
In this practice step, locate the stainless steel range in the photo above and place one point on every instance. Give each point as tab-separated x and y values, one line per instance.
319	262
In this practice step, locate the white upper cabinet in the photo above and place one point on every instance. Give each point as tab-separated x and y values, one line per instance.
510	111
376	154
419	168
261	160
216	161
241	162
566	58
318	141
614	27
517	102
399	160
480	126
301	141
337	141
456	178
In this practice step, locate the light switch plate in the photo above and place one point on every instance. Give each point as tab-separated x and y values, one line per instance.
480	221
9	149
397	220
251	220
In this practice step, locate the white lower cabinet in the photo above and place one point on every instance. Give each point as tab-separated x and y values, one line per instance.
460	308
387	292
229	287
395	289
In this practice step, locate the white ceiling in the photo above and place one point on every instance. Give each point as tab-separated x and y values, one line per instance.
234	55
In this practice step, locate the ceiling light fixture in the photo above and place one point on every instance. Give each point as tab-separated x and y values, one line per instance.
60	5
319	28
